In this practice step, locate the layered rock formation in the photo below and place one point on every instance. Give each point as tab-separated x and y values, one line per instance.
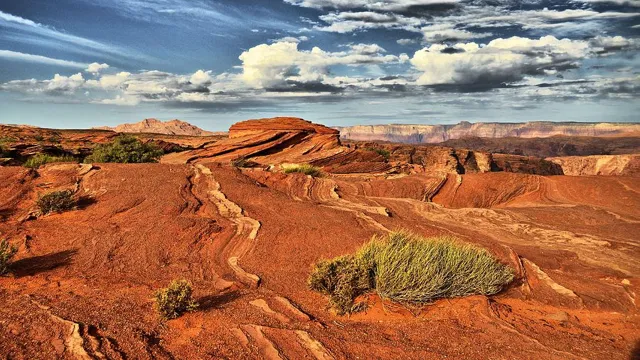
599	165
416	134
155	126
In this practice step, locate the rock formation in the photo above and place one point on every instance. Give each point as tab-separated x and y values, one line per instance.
155	126
599	165
416	134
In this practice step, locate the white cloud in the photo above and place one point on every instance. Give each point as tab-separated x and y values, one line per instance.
121	101
18	56
502	60
269	65
386	5
108	82
406	42
201	77
95	68
442	32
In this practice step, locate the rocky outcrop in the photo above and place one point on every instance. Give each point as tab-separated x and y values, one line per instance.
416	134
599	165
285	124
155	126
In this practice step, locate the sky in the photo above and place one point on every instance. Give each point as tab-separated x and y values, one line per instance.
85	63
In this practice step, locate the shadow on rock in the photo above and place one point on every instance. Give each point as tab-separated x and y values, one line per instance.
84	202
635	353
37	264
217	301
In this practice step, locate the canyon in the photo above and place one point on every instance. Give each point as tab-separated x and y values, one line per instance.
219	211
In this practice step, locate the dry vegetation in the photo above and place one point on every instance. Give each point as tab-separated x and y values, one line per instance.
56	201
408	268
6	254
175	300
302	168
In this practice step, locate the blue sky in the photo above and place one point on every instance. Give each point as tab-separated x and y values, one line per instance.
84	63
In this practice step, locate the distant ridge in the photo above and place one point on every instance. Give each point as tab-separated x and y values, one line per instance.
155	126
416	134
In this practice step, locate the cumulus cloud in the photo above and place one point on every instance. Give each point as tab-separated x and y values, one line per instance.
201	77
502	60
266	66
95	68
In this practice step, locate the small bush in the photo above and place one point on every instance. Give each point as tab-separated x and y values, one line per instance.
239	162
40	159
125	149
38	138
57	201
175	300
386	154
302	168
6	254
410	269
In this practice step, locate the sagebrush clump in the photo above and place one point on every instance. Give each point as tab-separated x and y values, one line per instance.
175	300
6	254
302	168
125	149
408	268
56	201
40	159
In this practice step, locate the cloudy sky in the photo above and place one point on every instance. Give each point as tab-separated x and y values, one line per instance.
83	63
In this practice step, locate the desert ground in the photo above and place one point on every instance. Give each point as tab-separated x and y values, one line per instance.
246	235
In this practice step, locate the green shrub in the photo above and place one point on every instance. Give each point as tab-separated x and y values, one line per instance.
56	201
6	254
386	154
38	138
302	168
40	159
175	300
125	149
408	268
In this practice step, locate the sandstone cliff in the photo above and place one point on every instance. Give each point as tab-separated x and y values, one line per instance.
599	165
438	133
155	126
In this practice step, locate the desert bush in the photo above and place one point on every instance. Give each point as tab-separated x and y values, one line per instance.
302	168
239	162
386	154
407	268
40	159
175	300
125	149
56	201
6	254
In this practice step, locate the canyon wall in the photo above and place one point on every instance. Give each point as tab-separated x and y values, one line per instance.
415	134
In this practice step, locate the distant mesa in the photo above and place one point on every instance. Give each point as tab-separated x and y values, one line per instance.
416	134
155	126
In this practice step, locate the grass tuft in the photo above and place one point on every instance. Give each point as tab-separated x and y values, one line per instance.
407	268
175	300
302	168
125	149
6	254
56	201
38	160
